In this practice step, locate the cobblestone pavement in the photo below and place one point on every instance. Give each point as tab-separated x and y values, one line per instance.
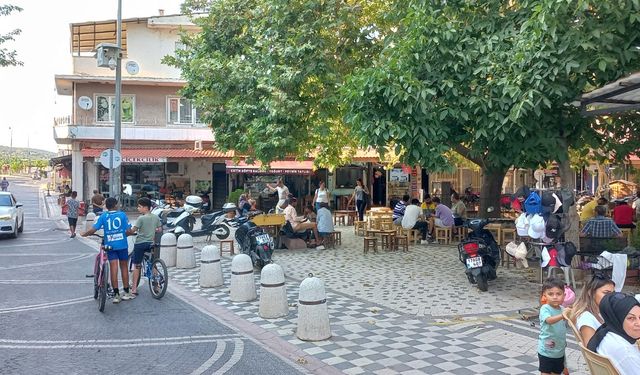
404	312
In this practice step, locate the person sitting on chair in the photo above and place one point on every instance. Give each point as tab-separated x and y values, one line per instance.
623	215
600	226
299	224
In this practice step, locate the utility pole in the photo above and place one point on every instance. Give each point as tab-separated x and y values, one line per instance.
116	183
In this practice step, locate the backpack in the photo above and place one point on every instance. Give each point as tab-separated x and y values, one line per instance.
533	204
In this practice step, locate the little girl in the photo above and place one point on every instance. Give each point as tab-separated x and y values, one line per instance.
552	340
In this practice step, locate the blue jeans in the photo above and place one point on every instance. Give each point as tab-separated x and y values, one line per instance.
360	206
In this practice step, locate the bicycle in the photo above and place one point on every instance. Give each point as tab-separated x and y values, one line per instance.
101	286
155	270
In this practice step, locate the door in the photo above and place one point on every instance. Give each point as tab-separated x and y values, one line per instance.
219	189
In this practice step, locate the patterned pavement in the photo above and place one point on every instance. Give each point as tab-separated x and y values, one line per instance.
408	313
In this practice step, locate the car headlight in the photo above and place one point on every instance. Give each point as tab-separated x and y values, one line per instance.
5	217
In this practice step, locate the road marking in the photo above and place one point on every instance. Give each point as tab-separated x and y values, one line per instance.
115	341
102	344
35	254
36	282
47	305
238	351
40	243
220	348
47	263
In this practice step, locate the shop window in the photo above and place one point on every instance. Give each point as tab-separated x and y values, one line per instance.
181	111
106	108
346	177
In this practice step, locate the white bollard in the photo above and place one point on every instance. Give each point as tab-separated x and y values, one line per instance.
168	249
210	267
185	255
89	221
243	287
313	314
273	292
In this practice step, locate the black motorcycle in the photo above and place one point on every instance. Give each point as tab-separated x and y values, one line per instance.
480	254
256	243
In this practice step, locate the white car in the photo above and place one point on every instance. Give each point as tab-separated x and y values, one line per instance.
11	215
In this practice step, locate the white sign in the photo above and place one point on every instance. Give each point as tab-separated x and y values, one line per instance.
110	158
397	174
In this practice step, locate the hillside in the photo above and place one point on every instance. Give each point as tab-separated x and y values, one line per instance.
24	153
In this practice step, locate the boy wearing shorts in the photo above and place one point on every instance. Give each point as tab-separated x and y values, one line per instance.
552	340
146	226
73	206
115	224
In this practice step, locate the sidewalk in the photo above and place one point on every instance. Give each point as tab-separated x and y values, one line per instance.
410	313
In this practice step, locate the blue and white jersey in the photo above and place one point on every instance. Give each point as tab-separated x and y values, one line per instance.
115	225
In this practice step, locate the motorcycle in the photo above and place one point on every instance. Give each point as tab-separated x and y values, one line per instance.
182	217
470	197
256	243
216	224
480	254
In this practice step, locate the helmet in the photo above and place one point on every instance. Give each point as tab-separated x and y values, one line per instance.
229	207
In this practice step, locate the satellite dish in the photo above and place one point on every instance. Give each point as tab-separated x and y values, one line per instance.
132	67
538	175
85	103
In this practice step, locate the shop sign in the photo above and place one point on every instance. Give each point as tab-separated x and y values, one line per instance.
272	171
141	159
398	174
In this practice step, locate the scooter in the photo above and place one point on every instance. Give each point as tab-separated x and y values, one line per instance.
480	254
256	243
183	216
216	224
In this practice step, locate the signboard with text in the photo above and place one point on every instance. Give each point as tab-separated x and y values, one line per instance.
140	159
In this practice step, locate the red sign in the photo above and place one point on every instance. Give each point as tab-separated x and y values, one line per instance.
270	171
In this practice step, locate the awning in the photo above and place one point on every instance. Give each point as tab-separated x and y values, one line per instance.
143	155
619	96
275	167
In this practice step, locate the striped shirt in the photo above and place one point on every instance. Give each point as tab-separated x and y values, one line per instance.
601	227
398	210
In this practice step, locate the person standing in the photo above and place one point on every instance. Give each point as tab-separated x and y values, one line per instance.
115	225
283	193
146	227
72	213
359	195
322	195
97	202
552	340
4	184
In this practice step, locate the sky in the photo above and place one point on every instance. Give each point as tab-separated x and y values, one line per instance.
28	101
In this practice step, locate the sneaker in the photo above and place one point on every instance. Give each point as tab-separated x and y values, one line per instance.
116	298
72	235
128	296
320	247
424	242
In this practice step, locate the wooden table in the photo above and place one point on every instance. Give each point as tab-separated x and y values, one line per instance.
349	214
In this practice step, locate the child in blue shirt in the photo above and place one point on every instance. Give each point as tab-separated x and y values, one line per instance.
552	340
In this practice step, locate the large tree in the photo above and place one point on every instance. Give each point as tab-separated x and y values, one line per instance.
492	80
266	73
8	57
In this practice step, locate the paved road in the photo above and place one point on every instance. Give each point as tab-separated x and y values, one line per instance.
50	322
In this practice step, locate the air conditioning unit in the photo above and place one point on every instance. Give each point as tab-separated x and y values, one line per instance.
174	168
197	145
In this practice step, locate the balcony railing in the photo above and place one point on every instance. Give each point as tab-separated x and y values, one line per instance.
90	121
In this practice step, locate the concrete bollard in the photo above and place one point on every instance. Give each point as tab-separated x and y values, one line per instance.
210	267
273	292
168	249
185	255
89	221
243	287
313	314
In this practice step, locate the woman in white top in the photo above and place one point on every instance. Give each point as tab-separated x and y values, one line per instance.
585	311
321	196
616	338
283	193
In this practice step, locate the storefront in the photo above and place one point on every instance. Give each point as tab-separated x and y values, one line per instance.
252	179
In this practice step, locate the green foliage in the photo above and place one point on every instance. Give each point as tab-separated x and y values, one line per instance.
266	73
8	57
234	196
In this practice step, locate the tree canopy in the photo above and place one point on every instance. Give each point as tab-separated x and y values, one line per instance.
8	57
266	73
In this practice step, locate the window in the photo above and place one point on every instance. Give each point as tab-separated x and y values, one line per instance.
181	111
106	106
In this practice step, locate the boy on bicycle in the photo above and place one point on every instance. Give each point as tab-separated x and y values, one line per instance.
146	226
115	224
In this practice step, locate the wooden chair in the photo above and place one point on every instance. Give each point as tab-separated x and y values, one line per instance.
458	233
413	235
598	364
387	240
370	243
401	243
336	236
443	234
508	235
573	327
359	228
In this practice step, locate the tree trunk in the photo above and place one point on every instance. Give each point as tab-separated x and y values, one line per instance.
491	191
567	180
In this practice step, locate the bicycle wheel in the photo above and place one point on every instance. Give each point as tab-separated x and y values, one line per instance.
104	285
96	273
159	279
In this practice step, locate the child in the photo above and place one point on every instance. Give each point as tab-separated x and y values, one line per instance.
553	330
146	227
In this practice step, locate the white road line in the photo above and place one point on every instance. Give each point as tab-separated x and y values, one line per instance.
36	254
117	346
238	351
47	243
115	341
47	263
37	282
45	305
220	348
